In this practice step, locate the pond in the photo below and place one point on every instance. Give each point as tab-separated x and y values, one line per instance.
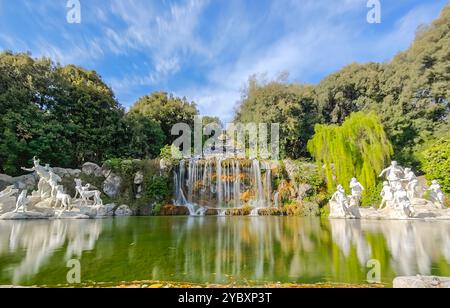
221	250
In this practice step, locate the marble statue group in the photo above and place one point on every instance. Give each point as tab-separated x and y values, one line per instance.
401	194
50	199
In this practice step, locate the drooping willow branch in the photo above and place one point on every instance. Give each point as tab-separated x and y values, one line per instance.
358	148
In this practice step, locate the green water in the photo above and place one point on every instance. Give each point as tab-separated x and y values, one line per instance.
221	250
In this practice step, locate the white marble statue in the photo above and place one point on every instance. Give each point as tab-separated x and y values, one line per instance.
394	173
436	194
21	204
412	184
53	182
44	189
62	198
403	203
356	188
86	194
339	203
78	188
387	195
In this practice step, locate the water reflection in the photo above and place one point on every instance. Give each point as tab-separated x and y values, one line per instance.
348	234
221	250
414	246
34	243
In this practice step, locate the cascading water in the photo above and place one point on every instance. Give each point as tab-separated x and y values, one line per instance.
222	184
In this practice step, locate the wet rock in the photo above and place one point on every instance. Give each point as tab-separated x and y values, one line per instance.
291	169
172	210
23	216
111	186
70	215
271	211
105	210
27	181
92	169
62	172
123	211
303	190
89	211
5	181
7	205
211	212
138	181
421	282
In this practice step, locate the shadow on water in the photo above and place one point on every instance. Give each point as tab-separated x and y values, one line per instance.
221	249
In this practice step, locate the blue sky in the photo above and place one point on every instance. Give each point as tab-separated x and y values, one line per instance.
206	49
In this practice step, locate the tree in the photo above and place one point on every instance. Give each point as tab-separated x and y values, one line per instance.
436	163
65	115
410	94
141	137
166	110
292	106
353	88
358	148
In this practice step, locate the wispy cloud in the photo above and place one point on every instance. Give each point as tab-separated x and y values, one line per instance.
207	49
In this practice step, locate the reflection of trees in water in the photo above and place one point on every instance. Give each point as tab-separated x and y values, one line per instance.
40	240
253	248
308	249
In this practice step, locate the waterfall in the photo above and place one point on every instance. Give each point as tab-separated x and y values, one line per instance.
237	184
268	183
276	196
260	200
219	184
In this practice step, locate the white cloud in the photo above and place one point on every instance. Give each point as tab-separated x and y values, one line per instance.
163	40
312	46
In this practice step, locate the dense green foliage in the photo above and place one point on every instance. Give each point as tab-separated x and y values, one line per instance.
157	187
436	163
65	116
358	148
290	105
410	94
141	137
166	110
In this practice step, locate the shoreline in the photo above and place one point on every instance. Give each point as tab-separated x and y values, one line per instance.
189	285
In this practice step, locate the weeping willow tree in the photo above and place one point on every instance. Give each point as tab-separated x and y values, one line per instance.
358	148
